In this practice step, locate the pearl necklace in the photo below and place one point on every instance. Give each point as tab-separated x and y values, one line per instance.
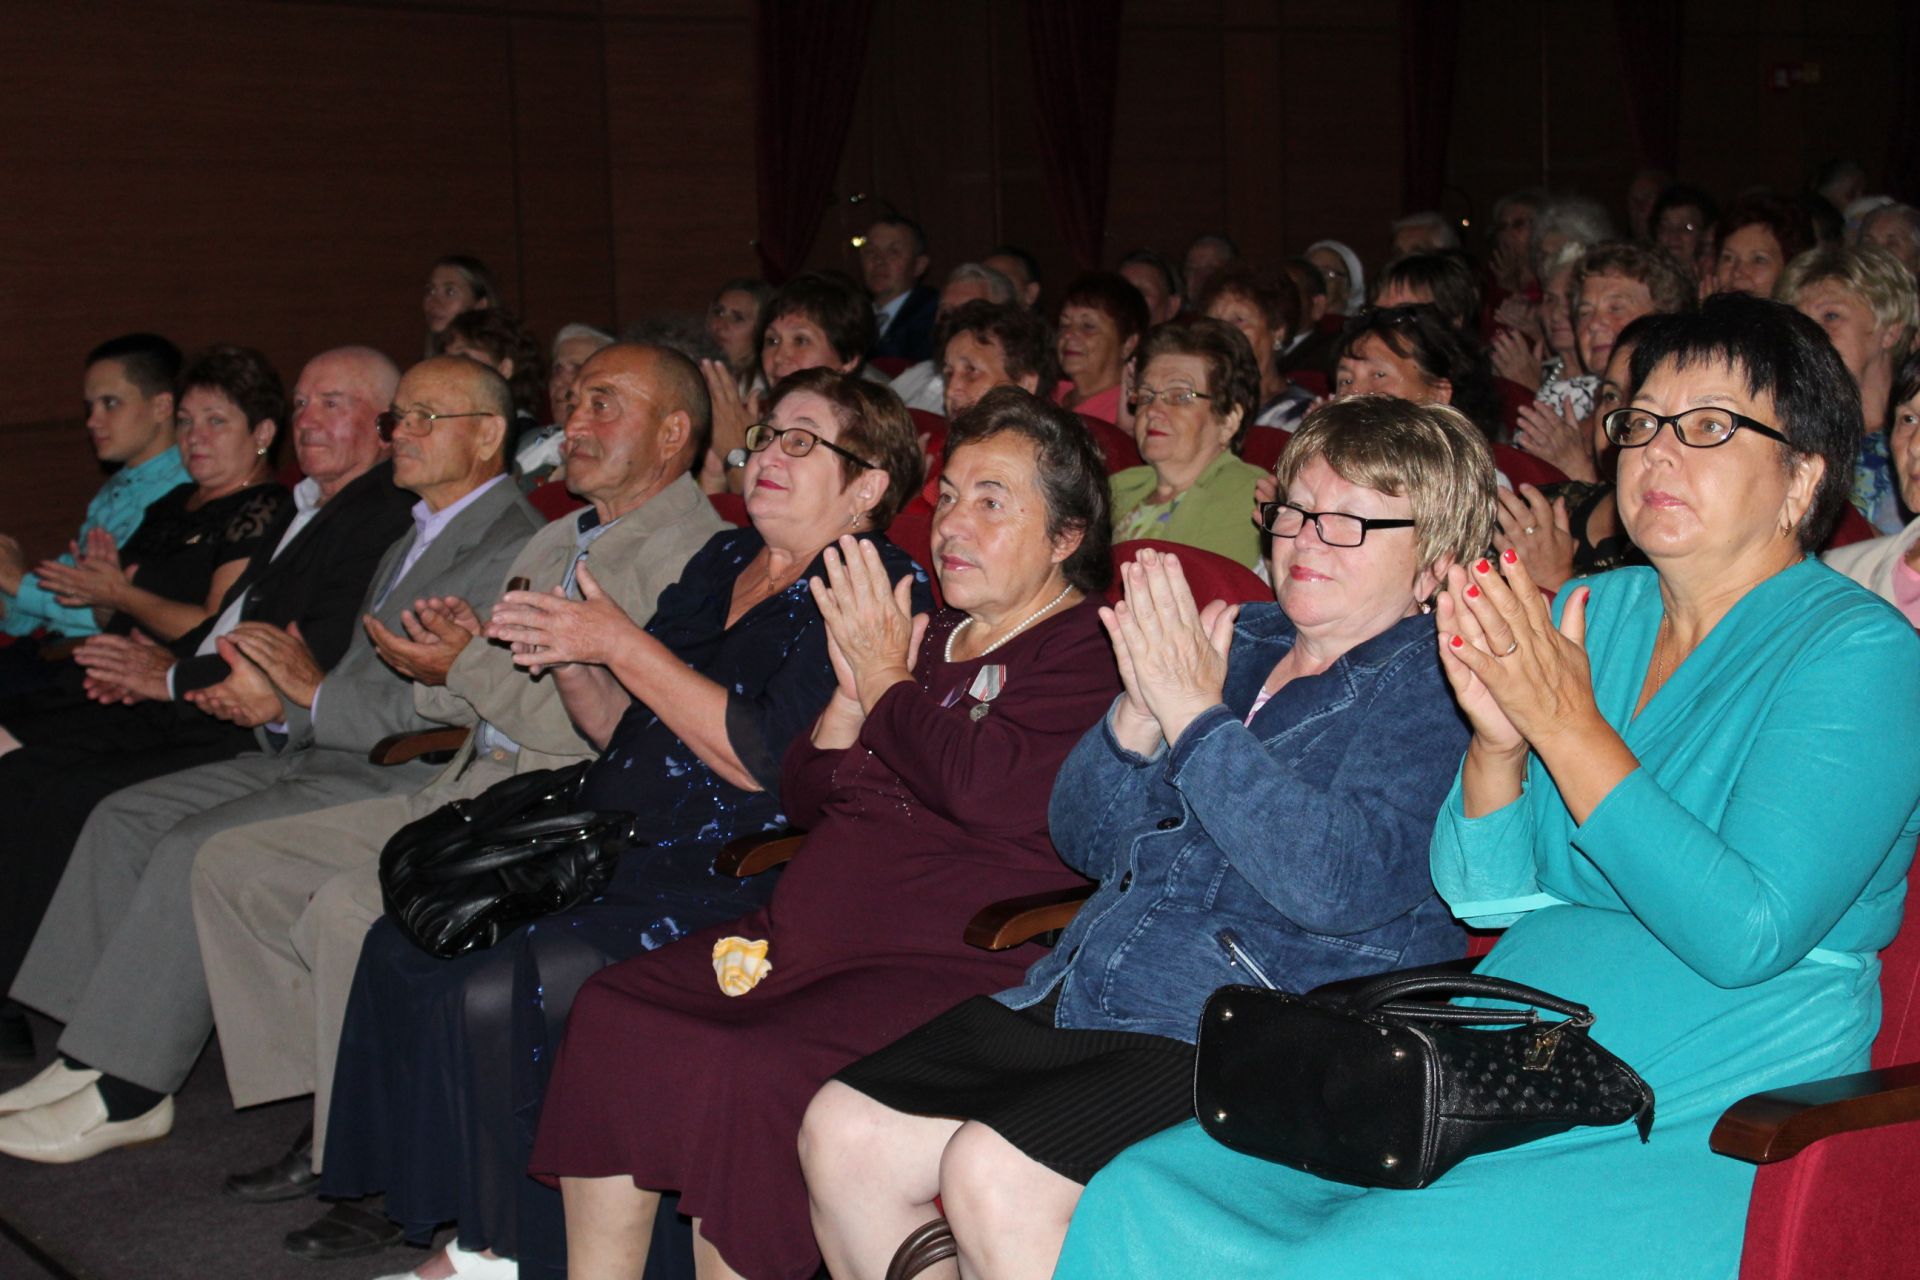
1032	618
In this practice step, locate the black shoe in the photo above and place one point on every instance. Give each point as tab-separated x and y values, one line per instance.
16	1037
288	1178
347	1230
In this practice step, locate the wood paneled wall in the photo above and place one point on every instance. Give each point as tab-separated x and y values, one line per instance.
281	172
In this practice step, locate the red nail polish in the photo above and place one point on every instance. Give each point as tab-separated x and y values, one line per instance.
1482	567
1456	642
1509	556
1473	592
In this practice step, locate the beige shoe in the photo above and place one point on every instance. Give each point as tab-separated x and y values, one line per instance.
76	1128
56	1082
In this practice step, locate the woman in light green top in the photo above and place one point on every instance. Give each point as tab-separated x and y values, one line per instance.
1199	386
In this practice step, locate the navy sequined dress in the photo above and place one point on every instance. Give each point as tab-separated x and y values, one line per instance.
443	1063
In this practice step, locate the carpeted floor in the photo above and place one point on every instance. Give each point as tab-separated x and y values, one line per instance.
156	1212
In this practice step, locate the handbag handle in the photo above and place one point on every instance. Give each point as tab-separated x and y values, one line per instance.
1393	988
511	845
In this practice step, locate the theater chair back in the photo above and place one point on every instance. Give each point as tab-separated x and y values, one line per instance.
553	501
732	508
1521	467
1264	445
1119	447
912	532
1209	575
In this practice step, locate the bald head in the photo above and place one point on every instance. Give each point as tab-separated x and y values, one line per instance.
338	396
641	419
451	438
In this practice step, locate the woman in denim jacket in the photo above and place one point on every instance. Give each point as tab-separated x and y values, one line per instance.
1257	807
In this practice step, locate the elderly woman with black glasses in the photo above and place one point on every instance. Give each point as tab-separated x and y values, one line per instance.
1690	799
1256	805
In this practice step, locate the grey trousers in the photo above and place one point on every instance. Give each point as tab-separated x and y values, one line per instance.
117	957
282	908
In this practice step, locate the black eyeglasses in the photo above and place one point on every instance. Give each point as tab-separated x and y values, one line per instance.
389	422
796	442
1336	528
1704	428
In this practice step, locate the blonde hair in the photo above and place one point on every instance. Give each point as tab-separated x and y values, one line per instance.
1430	454
1867	271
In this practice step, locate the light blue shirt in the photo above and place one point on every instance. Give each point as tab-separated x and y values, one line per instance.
118	507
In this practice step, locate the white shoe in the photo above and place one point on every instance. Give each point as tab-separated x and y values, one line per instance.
76	1128
477	1266
58	1081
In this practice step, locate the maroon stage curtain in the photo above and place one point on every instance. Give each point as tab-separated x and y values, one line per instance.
1076	81
1429	47
808	58
1903	146
1652	33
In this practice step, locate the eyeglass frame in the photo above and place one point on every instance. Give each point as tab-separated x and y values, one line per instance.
1741	422
1135	403
387	422
781	433
1367	523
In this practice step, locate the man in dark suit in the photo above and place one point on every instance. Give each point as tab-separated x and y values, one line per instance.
893	260
117	958
349	513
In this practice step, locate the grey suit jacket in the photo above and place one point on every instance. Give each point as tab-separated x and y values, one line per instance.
363	700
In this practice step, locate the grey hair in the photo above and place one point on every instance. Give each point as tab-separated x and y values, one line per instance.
1532	197
1434	220
568	332
1580	219
1906	214
999	288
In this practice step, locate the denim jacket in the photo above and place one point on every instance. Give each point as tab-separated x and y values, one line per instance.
1289	853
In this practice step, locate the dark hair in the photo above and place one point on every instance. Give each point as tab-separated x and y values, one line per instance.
1784	218
1030	263
150	362
1220	238
475	272
245	377
831	300
1906	384
1024	337
1273	293
1678	195
874	425
1070	468
1447	278
1170	274
1669	283
1418	333
1786	357
912	227
1306	278
1114	296
759	288
1233	375
496	331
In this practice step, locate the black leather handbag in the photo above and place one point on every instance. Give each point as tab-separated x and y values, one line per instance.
470	871
1382	1083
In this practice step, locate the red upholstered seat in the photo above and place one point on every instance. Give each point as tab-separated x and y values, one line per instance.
1211	576
1521	467
1311	381
1512	396
892	366
553	501
912	532
1264	445
1851	527
731	506
1119	447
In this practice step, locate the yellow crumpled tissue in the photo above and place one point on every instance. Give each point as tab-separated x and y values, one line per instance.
740	963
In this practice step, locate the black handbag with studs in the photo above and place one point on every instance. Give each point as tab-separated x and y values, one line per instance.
1384	1083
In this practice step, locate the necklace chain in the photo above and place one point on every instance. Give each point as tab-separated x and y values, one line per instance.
1031	618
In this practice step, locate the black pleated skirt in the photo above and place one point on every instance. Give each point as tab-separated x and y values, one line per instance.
1071	1100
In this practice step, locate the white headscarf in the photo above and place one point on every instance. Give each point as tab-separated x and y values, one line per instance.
1356	277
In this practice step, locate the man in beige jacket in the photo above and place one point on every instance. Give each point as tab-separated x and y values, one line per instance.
283	906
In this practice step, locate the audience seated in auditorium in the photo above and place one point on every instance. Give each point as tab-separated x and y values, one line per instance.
994	345
1158	281
1569	219
692	716
1265	307
1510	257
1544	357
1691	805
893	262
458	283
1445	280
116	957
1864	299
923	787
733	322
1102	319
1427	231
1758	237
1019	266
1312	348
919	386
1281	764
1890	566
537	457
1346	278
1412	353
1206	253
495	337
1683	228
1643	194
1198	389
1895	228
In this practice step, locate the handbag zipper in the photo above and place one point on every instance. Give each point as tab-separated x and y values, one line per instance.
1237	955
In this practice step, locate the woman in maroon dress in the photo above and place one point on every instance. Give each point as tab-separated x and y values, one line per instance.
925	791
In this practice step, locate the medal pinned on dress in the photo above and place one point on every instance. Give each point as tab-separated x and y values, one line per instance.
986	686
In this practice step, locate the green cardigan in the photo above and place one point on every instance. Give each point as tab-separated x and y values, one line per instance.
1215	514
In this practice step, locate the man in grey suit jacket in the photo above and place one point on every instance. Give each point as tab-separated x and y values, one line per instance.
117	958
283	905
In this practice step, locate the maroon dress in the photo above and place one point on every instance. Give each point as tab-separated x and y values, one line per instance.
936	811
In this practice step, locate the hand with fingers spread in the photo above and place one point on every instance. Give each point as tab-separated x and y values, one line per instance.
246	697
438	630
124	669
732	412
548	629
1519	359
1176	652
95	579
1555	435
282	656
870	620
1539	531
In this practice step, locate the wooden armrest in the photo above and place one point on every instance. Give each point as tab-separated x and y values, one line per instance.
1002	925
762	851
399	748
1765	1127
